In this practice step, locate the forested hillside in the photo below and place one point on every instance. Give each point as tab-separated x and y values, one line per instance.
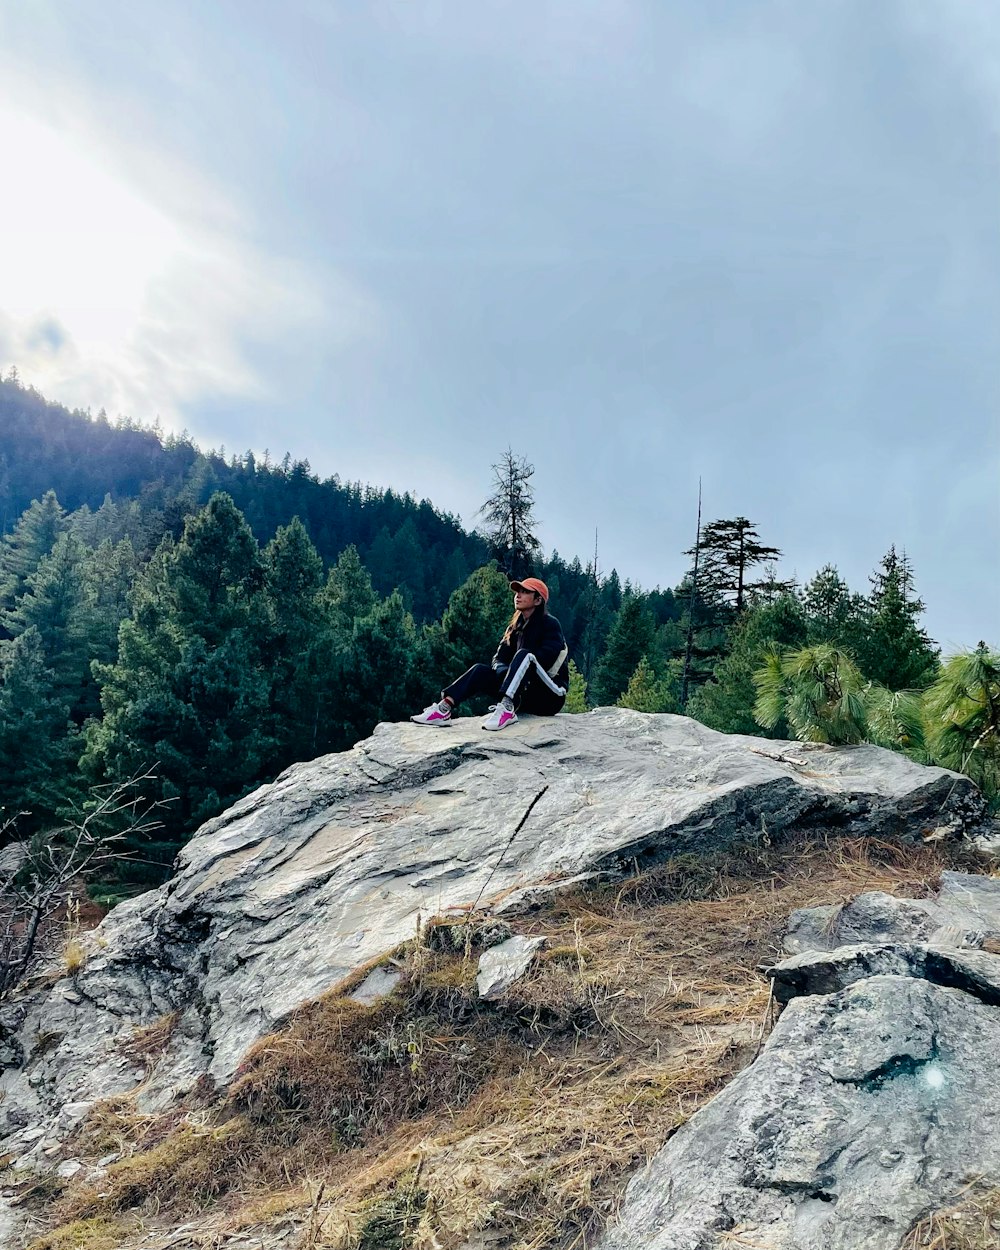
200	622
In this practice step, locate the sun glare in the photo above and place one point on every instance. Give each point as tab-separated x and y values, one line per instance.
77	245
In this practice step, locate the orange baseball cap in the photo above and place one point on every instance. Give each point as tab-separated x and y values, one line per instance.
532	583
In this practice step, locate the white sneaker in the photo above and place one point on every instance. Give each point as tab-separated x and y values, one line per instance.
500	717
436	714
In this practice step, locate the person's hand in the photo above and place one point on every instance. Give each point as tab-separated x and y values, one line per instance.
500	669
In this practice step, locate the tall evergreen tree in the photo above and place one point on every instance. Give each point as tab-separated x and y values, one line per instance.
189	692
301	651
632	636
56	604
23	550
731	550
109	574
37	748
509	519
348	595
381	672
893	649
471	626
829	606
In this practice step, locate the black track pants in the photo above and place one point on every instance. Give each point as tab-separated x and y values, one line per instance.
531	694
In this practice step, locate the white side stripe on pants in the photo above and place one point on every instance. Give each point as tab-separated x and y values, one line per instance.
523	667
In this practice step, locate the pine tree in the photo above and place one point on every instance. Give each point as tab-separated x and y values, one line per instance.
109	573
189	694
471	627
829	606
893	649
819	692
509	516
726	701
348	595
646	692
961	712
632	636
55	603
380	676
576	694
37	748
730	550
302	651
22	551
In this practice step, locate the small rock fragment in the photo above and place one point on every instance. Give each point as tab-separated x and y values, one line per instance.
502	965
379	982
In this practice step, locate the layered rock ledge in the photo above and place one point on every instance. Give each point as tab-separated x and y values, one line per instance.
338	861
874	1102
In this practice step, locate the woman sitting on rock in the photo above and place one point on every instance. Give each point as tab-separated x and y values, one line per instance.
530	671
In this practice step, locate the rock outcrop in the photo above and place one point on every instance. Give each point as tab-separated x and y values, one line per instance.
874	1101
310	879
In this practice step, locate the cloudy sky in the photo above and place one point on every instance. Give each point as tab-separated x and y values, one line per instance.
641	243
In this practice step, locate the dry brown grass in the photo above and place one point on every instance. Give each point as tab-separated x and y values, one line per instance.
148	1043
431	1115
73	956
972	1222
99	1234
113	1125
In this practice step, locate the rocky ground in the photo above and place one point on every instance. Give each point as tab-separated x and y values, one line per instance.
278	1032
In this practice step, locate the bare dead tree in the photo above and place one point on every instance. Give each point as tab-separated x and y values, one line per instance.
692	601
36	874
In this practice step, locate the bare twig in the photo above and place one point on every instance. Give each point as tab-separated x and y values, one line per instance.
36	881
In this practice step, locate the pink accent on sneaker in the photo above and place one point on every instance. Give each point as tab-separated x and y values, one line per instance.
432	716
499	718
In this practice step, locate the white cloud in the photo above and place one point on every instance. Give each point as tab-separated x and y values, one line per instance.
107	300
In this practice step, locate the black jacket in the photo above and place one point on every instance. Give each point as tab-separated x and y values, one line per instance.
542	635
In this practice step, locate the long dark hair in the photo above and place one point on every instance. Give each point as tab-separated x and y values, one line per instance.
517	620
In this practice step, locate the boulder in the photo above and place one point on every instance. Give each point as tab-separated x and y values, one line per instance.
871	1103
867	1108
341	859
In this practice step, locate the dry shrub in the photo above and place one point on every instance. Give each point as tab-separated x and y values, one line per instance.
338	1075
192	1166
972	1222
74	956
539	1155
112	1125
148	1043
342	1073
96	1234
267	1207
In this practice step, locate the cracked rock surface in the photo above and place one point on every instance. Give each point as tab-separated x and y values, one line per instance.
873	1101
307	879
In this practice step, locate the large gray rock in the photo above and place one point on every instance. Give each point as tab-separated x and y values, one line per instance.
308	879
873	1101
867	1108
